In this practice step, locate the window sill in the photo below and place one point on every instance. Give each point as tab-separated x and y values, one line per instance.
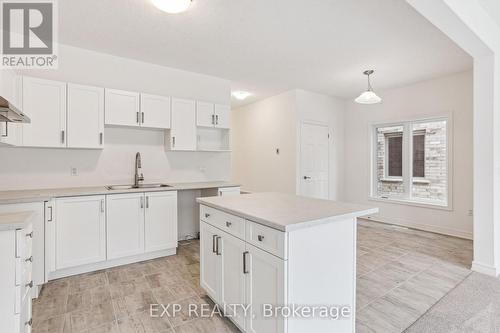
400	180
422	204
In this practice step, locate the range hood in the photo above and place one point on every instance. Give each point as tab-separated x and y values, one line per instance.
9	113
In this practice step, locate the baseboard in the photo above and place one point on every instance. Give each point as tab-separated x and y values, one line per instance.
423	227
485	269
110	263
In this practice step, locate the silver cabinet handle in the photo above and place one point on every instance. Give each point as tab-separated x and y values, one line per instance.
307	177
217	120
142	202
137	117
207	215
147	202
6	130
29	322
214	239
228	224
30	235
30	284
245	262
217	248
100	138
30	259
50	218
173	141
260	238
102	205
63	136
142	116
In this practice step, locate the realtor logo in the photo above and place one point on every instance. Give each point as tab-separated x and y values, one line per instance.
28	34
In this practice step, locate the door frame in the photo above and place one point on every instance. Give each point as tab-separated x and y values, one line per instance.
298	186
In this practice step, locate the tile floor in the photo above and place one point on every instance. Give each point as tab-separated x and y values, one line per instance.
401	274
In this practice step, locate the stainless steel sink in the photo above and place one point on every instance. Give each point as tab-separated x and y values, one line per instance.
129	187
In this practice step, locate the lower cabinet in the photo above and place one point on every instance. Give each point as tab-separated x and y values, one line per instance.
160	222
235	272
80	231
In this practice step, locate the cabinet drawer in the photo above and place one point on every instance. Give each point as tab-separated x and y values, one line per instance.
231	224
267	239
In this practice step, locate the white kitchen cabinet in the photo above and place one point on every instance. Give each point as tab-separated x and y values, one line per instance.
155	111
125	225
80	233
122	108
265	284
210	261
182	135
85	116
11	89
234	267
44	102
160	221
205	114
224	191
222	116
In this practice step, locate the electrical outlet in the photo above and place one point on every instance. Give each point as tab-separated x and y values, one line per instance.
74	171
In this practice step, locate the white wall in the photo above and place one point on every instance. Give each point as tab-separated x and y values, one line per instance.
30	168
262	127
435	97
258	129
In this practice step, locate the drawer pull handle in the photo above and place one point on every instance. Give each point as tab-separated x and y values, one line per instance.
218	247
214	239
30	259
260	238
207	215
30	235
245	262
29	322
30	285
228	224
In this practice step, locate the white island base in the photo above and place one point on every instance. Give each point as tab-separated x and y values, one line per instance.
278	253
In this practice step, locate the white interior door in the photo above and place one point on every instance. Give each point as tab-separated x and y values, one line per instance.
85	116
160	221
44	101
314	160
125	220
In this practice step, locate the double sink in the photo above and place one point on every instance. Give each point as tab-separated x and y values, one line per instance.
129	187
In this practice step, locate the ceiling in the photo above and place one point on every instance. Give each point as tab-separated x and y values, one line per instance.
267	47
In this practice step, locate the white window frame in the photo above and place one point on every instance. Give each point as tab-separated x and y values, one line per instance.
408	163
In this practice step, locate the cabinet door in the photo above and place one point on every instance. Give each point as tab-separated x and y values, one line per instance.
161	221
222	116
85	116
80	231
265	284
125	220
233	276
44	102
210	261
205	115
122	108
155	111
183	132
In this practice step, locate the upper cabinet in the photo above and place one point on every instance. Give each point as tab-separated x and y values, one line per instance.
182	135
44	102
122	108
85	116
222	116
155	111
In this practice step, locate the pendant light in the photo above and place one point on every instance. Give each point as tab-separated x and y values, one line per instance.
368	97
172	6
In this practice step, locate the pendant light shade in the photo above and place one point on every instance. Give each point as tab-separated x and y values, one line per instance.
172	6
368	97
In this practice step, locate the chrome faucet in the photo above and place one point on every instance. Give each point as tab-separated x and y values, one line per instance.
138	168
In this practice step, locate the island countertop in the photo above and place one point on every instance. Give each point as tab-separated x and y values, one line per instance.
286	212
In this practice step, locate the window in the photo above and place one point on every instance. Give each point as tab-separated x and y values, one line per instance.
411	161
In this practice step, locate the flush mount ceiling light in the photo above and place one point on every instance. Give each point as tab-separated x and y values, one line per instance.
240	94
368	97
172	6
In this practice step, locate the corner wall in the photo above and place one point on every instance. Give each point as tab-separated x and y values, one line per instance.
426	99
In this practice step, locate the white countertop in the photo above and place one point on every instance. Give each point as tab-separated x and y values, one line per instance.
12	221
35	195
286	212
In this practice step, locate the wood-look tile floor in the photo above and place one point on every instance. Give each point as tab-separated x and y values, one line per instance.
401	274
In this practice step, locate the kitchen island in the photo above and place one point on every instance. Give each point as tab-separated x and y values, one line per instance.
291	259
